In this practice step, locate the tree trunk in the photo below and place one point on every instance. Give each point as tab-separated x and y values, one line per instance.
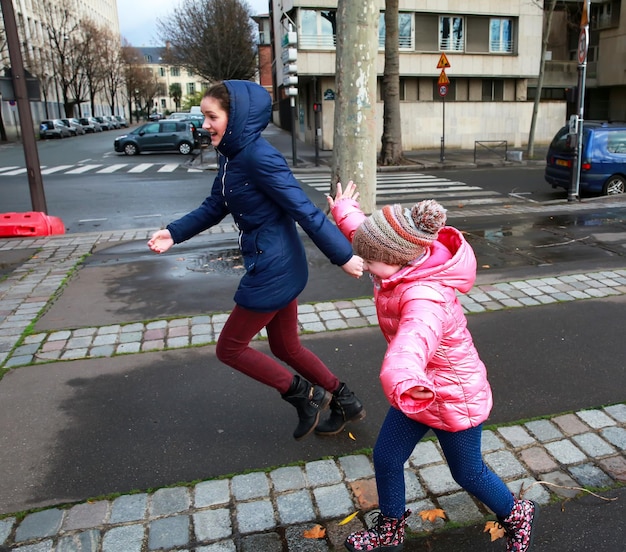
530	152
354	142
391	147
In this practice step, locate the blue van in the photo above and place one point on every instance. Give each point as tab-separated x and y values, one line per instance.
603	159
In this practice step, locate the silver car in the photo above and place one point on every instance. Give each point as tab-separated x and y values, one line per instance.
75	127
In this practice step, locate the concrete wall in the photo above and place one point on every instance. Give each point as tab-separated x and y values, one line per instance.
465	123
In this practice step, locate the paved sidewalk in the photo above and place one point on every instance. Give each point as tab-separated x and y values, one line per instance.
258	511
269	511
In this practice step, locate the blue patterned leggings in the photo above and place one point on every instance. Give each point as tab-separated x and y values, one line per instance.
398	437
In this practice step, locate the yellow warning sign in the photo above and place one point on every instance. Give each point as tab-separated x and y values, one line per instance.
443	78
443	62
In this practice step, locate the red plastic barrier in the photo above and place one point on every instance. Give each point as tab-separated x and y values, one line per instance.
33	223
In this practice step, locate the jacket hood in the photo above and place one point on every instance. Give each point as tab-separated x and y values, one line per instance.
250	112
450	260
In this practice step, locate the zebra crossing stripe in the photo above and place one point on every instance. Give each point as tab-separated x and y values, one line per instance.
14	172
58	168
112	168
142	167
83	169
168	168
8	168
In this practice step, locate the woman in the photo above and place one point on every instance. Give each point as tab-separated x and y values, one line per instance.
255	185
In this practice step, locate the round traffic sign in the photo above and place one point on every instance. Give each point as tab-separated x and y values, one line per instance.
443	90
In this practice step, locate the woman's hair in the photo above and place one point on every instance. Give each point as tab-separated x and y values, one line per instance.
220	93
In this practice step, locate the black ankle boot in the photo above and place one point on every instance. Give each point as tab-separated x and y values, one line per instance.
309	401
344	407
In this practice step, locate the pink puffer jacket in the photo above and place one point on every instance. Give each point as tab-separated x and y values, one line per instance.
423	322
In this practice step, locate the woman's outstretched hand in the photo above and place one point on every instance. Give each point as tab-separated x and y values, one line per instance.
161	241
349	193
354	267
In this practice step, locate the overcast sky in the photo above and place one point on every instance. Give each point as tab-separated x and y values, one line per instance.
138	18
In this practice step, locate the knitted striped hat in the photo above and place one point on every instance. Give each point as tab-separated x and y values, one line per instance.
395	235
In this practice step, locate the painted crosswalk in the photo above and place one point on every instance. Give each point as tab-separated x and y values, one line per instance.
117	168
410	187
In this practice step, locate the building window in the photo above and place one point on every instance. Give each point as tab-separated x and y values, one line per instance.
317	29
162	71
191	88
148	58
163	103
175	71
405	31
493	90
500	35
451	34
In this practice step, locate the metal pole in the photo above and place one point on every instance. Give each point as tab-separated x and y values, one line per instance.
583	46
442	153
294	153
31	155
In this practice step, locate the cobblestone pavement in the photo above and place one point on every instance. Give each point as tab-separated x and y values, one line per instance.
269	511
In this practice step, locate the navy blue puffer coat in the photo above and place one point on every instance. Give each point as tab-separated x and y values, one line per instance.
255	185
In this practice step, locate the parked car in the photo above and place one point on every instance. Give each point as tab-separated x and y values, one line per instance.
106	125
202	136
165	135
155	116
75	127
90	124
602	161
113	122
53	128
122	121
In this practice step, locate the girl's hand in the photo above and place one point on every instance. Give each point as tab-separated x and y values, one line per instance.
350	193
161	241
354	267
420	393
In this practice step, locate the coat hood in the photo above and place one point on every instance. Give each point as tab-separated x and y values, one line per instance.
250	112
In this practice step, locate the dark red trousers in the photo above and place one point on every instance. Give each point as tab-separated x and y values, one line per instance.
233	348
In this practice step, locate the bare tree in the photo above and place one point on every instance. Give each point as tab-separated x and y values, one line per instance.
92	63
547	24
354	142
142	85
64	53
391	147
211	38
112	67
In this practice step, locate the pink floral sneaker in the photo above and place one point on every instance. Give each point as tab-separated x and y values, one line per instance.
387	534
519	526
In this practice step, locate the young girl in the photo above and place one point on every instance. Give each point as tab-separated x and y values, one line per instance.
254	184
431	373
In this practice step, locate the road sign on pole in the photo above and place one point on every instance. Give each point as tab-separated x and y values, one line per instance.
443	62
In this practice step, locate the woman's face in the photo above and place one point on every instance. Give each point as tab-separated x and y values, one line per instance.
215	119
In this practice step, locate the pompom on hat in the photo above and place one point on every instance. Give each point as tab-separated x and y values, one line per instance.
395	235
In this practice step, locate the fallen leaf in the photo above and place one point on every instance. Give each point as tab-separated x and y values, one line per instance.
316	532
351	436
349	518
486	266
494	529
432	515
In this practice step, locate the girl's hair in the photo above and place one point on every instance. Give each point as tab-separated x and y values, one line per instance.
220	93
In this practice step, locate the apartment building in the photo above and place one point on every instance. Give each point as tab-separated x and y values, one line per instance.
493	48
167	75
605	83
33	18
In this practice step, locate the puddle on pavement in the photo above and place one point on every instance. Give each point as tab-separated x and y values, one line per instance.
548	239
